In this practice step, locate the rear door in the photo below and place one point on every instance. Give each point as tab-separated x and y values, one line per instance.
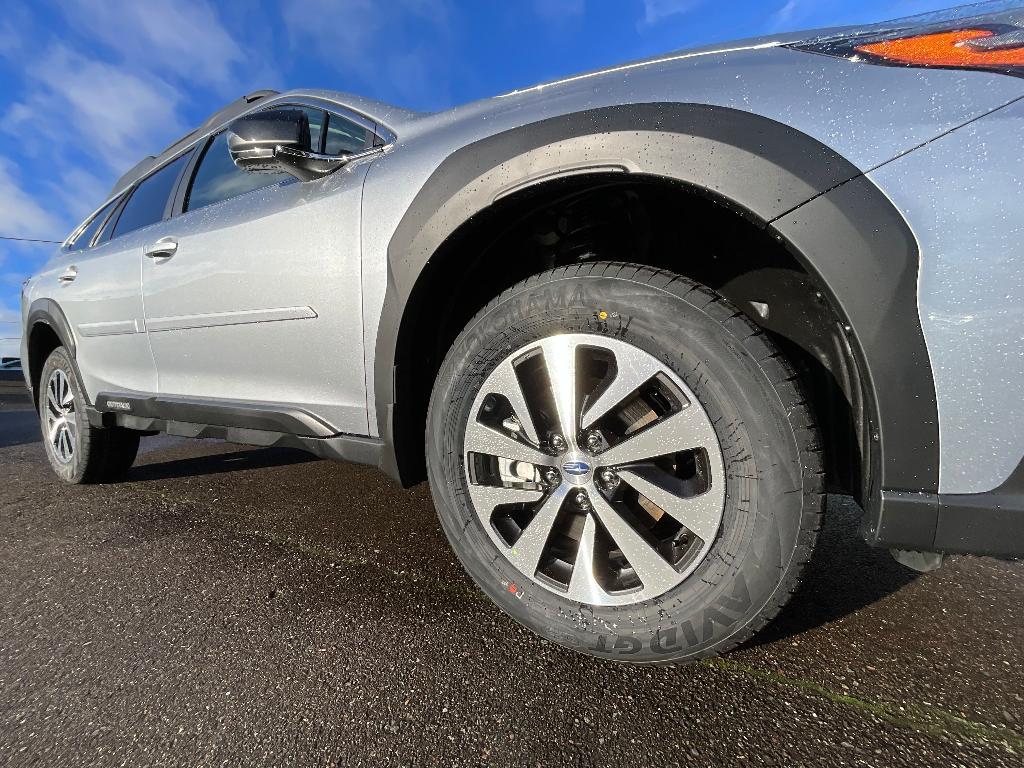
259	302
98	285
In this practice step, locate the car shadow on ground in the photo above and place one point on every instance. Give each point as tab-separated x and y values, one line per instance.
843	576
219	463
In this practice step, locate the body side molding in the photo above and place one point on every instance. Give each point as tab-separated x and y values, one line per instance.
237	414
216	319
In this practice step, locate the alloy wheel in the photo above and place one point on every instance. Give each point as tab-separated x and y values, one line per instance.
594	469
61	417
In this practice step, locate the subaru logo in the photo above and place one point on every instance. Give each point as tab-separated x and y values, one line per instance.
577	468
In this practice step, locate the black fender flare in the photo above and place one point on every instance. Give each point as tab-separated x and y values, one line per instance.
860	249
48	312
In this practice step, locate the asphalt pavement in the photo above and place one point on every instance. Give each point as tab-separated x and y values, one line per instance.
235	606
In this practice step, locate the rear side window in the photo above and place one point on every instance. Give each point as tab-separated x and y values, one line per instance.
149	200
85	237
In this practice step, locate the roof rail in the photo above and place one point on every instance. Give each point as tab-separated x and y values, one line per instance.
222	115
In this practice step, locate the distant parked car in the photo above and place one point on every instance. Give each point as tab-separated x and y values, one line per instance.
631	325
12	379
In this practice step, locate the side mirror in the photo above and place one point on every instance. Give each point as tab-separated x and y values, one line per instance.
277	140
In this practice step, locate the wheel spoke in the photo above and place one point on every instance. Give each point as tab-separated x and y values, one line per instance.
701	513
655	573
483	439
63	443
505	382
560	361
487	497
52	398
583	586
689	428
526	553
65	397
633	368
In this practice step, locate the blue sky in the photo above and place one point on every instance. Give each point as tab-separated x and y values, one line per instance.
89	87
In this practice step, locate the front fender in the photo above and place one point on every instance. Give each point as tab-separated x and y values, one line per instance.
849	237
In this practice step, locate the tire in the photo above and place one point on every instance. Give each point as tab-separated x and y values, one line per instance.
719	372
78	451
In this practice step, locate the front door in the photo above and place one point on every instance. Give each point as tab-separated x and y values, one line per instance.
256	298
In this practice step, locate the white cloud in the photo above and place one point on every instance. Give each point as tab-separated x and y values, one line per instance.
346	31
20	214
183	38
82	106
656	11
788	15
80	191
359	38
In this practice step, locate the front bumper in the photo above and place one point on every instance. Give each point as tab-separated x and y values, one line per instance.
990	523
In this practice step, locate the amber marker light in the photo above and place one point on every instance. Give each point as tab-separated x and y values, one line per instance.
946	49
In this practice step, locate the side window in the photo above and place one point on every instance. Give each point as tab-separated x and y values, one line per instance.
316	126
149	200
345	137
86	235
217	178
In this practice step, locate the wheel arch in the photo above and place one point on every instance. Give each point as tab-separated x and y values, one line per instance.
46	328
760	170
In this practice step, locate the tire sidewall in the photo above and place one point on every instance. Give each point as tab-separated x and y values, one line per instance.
74	471
764	499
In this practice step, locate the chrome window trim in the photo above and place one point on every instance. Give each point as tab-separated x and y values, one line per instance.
71	239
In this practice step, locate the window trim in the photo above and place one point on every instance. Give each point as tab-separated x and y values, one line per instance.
71	240
168	204
202	144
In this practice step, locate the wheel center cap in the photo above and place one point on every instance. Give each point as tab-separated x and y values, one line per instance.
577	470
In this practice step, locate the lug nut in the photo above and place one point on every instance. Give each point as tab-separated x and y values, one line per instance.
608	479
558	443
593	441
551	477
581	500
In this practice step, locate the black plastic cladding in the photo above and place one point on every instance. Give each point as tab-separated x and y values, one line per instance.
48	313
852	239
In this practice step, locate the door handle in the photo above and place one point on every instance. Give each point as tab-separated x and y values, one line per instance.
163	248
68	274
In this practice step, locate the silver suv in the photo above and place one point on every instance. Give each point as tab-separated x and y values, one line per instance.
631	325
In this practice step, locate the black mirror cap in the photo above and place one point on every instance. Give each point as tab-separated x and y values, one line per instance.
253	139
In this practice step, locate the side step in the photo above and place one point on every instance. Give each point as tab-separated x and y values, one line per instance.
236	422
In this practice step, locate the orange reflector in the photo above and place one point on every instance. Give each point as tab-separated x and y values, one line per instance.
945	49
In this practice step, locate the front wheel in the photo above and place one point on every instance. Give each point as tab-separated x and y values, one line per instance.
78	452
624	463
